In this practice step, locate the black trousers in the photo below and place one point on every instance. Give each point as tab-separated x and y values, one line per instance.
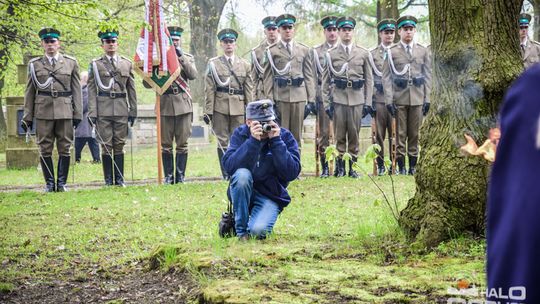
92	144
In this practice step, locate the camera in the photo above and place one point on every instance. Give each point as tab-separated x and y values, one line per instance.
266	126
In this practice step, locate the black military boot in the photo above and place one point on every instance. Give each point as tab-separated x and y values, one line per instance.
412	164
401	166
336	167
380	166
107	163
324	166
119	170
352	172
63	171
181	162
340	167
167	159
220	156
48	173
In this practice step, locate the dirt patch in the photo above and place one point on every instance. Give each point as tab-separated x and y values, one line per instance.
130	286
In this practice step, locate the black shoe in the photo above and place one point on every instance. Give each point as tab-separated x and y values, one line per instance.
119	170
107	169
220	157
381	170
63	171
341	167
48	173
324	165
167	168
412	164
181	162
352	172
401	166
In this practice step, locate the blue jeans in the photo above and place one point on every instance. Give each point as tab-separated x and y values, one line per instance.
254	213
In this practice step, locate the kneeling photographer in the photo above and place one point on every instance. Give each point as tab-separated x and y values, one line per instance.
262	159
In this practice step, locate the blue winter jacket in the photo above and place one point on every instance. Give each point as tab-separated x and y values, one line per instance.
273	162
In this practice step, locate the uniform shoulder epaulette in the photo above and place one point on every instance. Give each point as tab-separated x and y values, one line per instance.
374	49
213	58
362	48
300	43
125	58
535	42
34	59
273	45
188	54
69	57
333	48
393	46
318	46
420	45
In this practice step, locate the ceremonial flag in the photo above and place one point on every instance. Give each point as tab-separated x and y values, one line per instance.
155	57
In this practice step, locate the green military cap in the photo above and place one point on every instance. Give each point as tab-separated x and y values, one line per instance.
48	32
269	21
406	20
329	21
108	34
346	22
227	34
524	19
386	25
285	19
175	32
261	110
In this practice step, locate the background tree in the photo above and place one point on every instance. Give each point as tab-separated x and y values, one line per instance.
475	58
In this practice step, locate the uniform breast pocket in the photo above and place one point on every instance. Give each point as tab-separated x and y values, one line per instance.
42	75
419	60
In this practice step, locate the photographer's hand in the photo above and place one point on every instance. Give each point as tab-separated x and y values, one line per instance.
276	130
256	130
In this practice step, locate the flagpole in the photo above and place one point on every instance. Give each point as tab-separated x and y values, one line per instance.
158	123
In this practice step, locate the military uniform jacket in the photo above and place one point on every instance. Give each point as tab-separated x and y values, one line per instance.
379	57
319	65
531	54
355	69
107	106
178	104
66	79
227	94
301	66
410	94
257	69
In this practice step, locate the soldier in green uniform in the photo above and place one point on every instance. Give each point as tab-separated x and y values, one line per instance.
530	49
257	54
348	92
407	84
319	61
176	111
112	104
383	119
289	78
228	88
53	98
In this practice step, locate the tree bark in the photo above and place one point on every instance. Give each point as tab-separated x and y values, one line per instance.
475	58
204	21
6	36
536	20
387	9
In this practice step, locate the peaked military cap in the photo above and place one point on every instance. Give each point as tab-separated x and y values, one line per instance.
524	19
285	19
269	21
175	32
108	34
227	34
48	32
346	22
406	20
386	25
261	110
328	21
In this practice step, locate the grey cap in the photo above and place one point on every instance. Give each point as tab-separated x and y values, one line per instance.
261	110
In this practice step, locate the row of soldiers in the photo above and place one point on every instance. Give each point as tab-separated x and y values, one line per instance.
338	81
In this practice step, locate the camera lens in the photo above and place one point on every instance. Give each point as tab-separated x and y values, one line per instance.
266	127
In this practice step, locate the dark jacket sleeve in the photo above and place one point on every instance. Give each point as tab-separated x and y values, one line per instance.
286	156
241	153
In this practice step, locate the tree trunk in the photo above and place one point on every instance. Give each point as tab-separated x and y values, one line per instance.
536	19
6	35
475	58
204	20
387	9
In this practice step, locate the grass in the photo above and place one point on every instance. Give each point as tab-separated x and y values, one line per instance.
335	243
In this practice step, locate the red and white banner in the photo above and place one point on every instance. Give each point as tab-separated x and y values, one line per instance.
155	57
